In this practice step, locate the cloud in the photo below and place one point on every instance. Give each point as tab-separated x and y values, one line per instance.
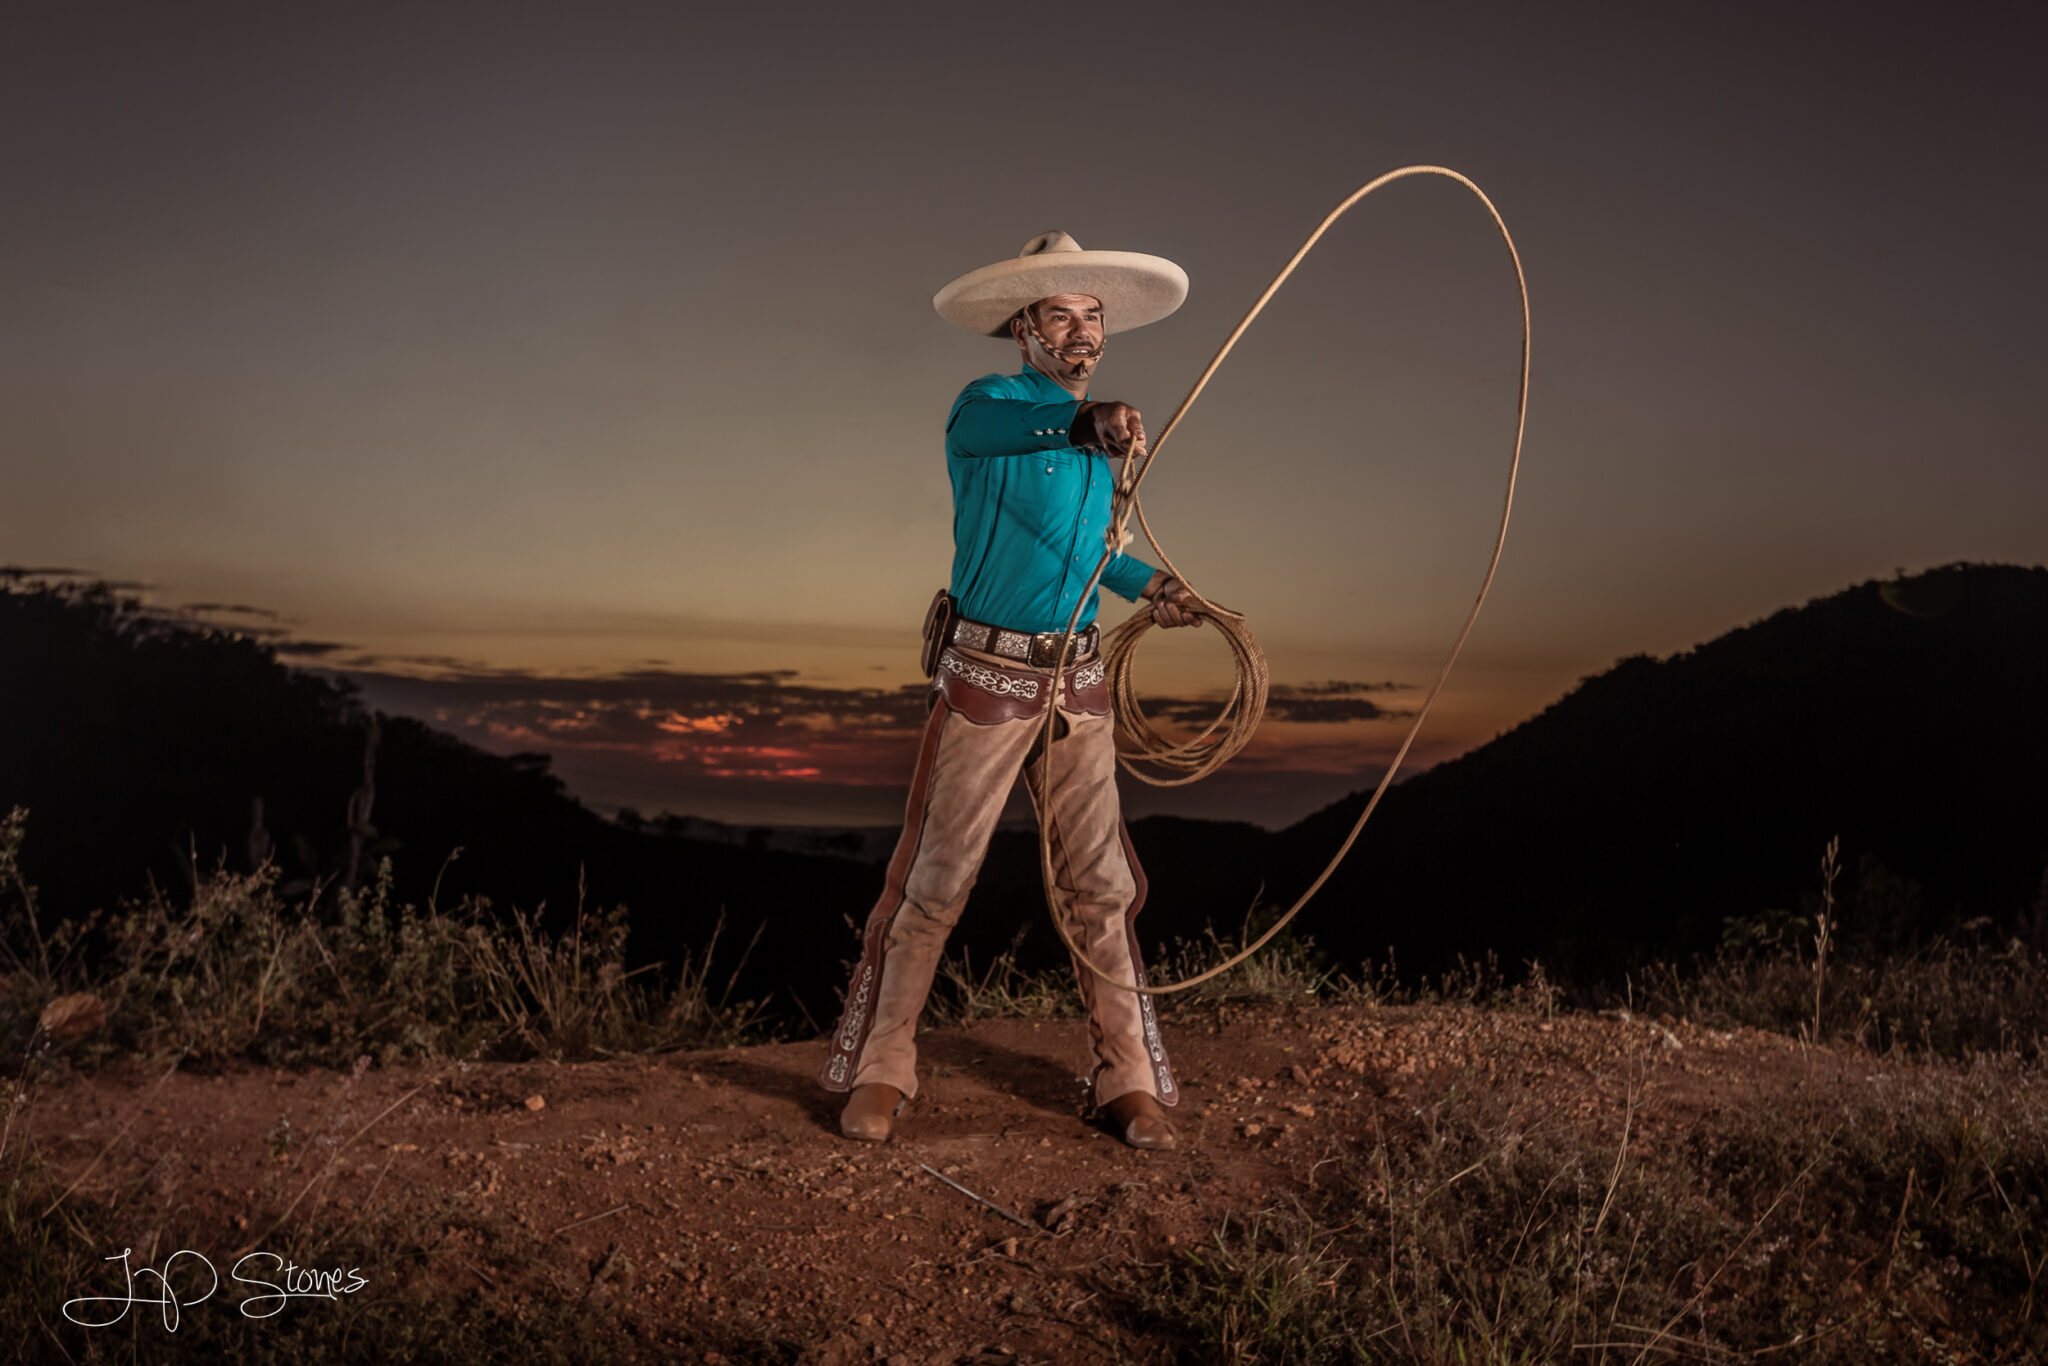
231	609
765	726
36	571
57	575
1333	703
138	599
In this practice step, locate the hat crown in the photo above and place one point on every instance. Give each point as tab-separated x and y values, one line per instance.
1049	242
1135	289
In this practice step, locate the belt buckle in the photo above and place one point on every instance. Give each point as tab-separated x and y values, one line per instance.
1047	651
1045	648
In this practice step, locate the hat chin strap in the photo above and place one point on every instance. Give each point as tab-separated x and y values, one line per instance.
1070	355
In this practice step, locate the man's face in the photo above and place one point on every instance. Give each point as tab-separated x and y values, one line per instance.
1071	325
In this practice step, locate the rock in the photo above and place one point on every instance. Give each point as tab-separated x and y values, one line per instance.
536	1102
73	1017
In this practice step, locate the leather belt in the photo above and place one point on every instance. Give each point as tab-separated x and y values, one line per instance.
1041	650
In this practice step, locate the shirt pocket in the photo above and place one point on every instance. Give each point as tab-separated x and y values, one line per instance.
1035	482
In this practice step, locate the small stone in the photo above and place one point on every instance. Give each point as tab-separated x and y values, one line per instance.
536	1102
73	1017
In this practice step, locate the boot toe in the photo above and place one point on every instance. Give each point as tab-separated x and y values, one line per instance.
870	1113
1140	1121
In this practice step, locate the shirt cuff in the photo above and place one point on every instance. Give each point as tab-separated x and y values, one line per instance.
995	427
1050	425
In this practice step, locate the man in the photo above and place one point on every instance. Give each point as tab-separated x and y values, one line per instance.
1030	459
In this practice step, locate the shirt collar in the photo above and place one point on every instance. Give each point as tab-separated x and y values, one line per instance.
1055	393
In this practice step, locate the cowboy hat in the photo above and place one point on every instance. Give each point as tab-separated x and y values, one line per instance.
1135	289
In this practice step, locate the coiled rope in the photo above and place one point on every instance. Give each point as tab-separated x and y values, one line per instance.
1200	755
1233	726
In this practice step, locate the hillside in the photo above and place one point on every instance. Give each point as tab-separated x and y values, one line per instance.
1461	1174
1633	818
1663	796
149	751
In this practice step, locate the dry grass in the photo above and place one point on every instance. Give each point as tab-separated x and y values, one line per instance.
1903	1223
1944	1000
963	994
243	972
240	971
1891	1227
1287	971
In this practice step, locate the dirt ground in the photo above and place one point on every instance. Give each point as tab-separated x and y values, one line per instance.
707	1199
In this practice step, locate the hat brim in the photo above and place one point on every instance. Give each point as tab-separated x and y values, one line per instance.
1135	289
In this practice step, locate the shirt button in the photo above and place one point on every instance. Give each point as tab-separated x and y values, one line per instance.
1048	469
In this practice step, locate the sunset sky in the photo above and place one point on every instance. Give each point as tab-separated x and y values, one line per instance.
568	374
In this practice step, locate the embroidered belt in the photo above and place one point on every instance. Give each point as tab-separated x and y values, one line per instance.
1040	650
988	694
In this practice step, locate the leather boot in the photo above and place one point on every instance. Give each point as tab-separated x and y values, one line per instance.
1139	1120
870	1113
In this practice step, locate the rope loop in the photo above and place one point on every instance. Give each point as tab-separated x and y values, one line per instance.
1232	728
1141	748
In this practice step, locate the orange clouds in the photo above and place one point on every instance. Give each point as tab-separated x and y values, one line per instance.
652	732
675	723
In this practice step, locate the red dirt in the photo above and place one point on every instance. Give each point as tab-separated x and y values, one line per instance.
708	1199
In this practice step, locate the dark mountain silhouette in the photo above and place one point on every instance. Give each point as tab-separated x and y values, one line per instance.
135	740
1633	817
1661	797
149	749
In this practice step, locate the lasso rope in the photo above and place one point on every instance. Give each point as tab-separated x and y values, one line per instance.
1190	760
1233	726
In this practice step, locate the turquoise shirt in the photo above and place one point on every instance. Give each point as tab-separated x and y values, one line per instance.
1029	509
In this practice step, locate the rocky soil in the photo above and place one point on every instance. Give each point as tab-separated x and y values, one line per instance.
705	1203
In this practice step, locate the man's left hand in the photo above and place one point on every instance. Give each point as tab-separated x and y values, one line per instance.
1172	604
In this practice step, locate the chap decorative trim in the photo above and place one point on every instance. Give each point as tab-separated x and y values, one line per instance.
987	679
856	1014
1162	1075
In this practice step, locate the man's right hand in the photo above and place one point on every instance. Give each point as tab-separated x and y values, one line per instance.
1112	428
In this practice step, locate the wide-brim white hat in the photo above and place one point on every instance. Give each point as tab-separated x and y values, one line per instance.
1135	289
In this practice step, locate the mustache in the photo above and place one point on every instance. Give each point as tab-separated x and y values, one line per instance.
1073	352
